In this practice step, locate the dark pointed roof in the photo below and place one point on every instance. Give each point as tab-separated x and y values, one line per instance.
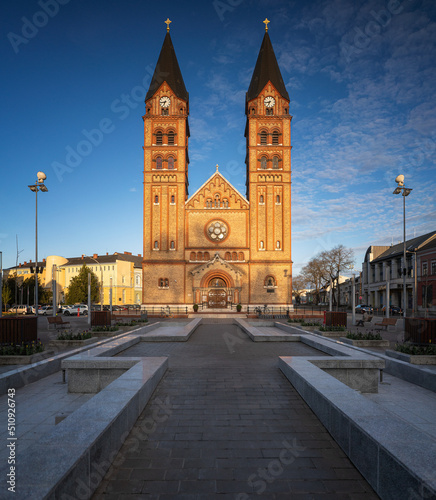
168	70
266	69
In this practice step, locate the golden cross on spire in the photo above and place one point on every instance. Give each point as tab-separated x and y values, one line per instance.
266	22
168	22
216	166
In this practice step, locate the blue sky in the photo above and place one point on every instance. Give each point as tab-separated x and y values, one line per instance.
361	77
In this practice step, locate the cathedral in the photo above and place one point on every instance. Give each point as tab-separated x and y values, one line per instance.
217	247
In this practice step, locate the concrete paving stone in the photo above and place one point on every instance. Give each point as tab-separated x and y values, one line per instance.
148	474
228	416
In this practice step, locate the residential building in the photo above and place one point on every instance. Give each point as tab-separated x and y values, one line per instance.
383	264
217	246
426	289
119	272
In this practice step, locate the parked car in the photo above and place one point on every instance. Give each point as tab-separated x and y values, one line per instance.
361	308
393	310
46	310
20	310
77	309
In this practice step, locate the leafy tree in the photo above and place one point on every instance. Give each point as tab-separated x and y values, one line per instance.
6	294
78	289
44	296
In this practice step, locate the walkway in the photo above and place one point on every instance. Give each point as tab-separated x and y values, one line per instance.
225	423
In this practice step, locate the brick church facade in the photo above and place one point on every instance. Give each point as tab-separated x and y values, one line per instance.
217	246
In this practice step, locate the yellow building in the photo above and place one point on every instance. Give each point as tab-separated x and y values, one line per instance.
120	272
217	246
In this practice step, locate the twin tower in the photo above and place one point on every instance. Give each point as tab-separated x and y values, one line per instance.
217	247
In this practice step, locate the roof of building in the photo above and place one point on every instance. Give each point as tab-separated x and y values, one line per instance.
168	70
412	245
266	69
105	259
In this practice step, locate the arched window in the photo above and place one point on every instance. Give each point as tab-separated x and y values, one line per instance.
167	283
192	256
200	256
159	162
261	199
217	201
225	203
234	256
172	245
206	256
156	245
278	199
275	162
161	283
263	163
156	200
228	256
241	256
261	245
171	163
275	137
270	282
159	138
208	203
171	137
173	199
263	137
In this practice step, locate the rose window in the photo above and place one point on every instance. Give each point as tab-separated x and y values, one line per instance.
217	231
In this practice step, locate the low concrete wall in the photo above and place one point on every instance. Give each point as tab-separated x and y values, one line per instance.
71	461
395	458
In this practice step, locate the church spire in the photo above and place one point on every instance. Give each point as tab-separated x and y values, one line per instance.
266	69
168	70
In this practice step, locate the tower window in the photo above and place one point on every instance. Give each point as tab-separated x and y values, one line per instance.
261	246
261	199
263	163
269	111
269	282
156	200
173	199
278	199
156	245
263	137
172	245
159	162
275	137
165	111
277	245
171	163
171	137
275	162
159	137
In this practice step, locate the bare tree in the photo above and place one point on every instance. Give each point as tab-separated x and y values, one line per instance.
299	285
315	274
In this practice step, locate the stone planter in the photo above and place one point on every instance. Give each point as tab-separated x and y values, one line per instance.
414	359
310	328
25	360
330	334
365	343
72	343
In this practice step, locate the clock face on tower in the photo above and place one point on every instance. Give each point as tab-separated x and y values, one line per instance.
269	101
165	102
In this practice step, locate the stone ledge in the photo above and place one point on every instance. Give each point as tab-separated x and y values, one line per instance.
74	457
414	359
365	343
394	457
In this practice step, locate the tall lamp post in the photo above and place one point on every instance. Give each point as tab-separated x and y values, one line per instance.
101	277
401	188
38	186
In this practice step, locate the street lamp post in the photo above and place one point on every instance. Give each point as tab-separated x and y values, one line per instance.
38	186
401	188
101	277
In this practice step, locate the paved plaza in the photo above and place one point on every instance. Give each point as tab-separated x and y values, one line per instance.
225	423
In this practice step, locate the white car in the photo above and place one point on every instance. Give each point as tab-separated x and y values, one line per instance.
75	310
46	311
19	309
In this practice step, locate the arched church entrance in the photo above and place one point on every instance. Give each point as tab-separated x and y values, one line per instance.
217	293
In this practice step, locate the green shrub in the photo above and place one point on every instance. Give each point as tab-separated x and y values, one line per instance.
22	349
416	349
364	336
76	336
332	328
296	320
309	323
105	328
